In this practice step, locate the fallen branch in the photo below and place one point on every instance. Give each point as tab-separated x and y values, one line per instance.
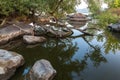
86	33
78	36
3	22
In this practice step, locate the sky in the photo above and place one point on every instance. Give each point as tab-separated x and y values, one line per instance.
83	5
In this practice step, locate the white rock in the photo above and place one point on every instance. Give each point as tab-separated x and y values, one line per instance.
42	70
29	39
9	62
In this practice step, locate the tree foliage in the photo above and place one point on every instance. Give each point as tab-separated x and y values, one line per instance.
94	6
24	7
113	3
105	18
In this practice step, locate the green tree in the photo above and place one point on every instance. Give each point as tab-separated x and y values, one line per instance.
55	8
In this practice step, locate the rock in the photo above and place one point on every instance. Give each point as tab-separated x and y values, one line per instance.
38	30
29	39
43	19
10	32
42	70
114	27
59	32
77	17
9	62
77	24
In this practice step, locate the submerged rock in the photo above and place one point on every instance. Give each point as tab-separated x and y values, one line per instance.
29	39
42	70
9	62
114	27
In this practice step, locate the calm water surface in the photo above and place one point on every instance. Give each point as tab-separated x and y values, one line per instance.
82	58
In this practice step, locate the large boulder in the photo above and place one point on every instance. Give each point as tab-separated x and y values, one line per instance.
29	39
10	32
9	62
114	27
42	70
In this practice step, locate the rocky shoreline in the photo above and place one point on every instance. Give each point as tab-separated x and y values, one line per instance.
10	61
30	34
13	31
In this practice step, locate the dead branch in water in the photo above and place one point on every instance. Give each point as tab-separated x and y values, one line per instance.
86	33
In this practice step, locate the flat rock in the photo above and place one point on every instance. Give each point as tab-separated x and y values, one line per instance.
29	39
10	32
42	70
9	62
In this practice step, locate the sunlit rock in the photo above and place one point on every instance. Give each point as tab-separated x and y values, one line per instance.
29	39
10	32
42	70
9	62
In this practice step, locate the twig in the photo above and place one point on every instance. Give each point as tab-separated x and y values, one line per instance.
3	22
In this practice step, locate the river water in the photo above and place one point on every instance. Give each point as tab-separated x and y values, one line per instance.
76	58
81	58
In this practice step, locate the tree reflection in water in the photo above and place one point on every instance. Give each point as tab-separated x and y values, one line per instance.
60	53
111	40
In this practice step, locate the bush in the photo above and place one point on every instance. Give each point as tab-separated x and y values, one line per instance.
25	7
105	18
115	4
9	7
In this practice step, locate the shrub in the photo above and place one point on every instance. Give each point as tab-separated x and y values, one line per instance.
25	7
105	18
